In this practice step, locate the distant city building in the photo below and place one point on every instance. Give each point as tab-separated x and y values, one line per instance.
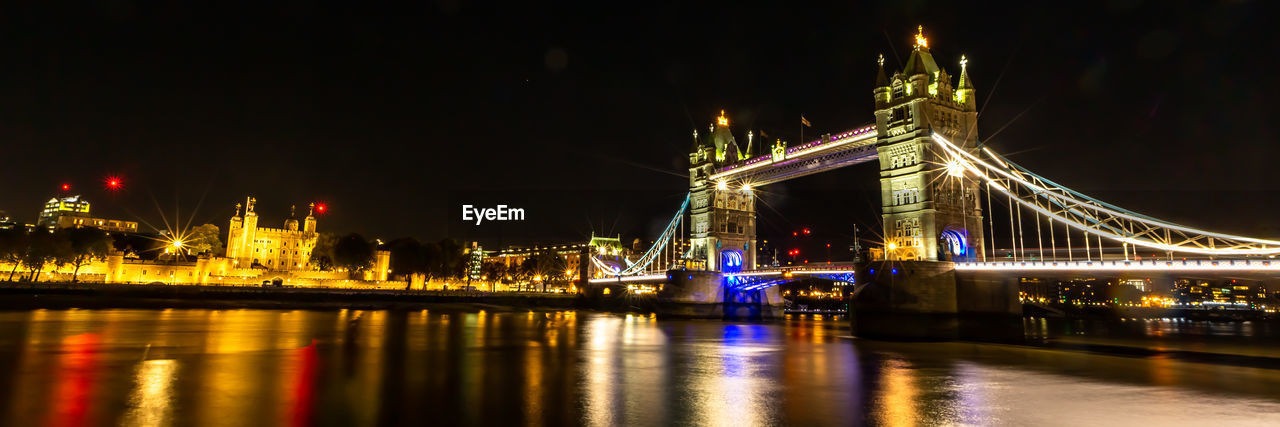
475	262
287	248
1241	294
73	212
6	222
609	250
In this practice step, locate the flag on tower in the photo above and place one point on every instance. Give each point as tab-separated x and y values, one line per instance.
805	121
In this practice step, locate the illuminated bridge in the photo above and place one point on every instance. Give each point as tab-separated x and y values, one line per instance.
961	222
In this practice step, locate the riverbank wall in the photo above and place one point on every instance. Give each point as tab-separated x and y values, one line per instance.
56	295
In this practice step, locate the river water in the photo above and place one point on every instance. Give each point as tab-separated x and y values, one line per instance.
274	367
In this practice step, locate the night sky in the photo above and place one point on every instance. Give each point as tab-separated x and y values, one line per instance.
582	114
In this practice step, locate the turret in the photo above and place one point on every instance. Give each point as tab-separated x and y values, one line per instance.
964	92
291	223
309	223
250	217
236	220
882	91
722	139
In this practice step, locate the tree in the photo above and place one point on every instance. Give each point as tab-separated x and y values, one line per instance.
353	252
322	253
86	244
45	248
204	239
529	270
493	272
518	275
143	246
13	246
550	266
408	256
431	259
453	259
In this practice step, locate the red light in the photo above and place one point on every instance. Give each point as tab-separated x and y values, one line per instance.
806	231
66	187
321	207
793	234
114	183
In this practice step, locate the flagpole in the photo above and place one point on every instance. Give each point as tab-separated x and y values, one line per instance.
801	141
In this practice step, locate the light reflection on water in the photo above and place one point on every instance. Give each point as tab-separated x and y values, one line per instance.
352	367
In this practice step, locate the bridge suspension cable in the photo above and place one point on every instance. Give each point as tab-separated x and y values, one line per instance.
661	254
1092	216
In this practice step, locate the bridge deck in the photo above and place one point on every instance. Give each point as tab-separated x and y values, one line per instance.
1120	265
830	152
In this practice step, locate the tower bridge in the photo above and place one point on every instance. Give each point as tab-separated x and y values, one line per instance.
938	189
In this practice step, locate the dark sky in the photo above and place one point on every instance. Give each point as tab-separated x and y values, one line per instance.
582	113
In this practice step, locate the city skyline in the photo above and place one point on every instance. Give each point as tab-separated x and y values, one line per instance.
601	116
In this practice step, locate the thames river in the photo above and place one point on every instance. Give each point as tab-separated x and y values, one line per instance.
274	367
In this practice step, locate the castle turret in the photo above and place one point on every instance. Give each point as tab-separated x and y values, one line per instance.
291	223
244	255
309	223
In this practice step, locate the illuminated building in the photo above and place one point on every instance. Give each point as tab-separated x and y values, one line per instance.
6	222
608	249
475	262
255	256
73	212
287	248
1230	292
929	212
722	219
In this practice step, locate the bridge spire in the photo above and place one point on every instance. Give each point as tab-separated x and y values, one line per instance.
881	79
965	92
920	61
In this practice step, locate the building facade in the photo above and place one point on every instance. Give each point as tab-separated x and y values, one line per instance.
931	210
73	212
286	248
722	220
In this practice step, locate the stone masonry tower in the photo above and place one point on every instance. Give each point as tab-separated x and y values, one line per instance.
722	222
931	209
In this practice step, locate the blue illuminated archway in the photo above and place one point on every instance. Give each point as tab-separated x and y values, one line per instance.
730	260
956	242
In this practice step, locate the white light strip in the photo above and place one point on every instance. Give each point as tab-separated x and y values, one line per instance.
956	152
1189	265
820	147
628	278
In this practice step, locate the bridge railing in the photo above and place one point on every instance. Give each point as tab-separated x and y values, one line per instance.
1058	204
1191	264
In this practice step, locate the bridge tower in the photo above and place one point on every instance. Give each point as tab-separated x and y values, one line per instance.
931	210
722	222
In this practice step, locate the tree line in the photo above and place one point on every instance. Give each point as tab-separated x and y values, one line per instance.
33	251
448	259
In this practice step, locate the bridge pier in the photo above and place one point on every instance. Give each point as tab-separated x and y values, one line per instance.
703	294
927	300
